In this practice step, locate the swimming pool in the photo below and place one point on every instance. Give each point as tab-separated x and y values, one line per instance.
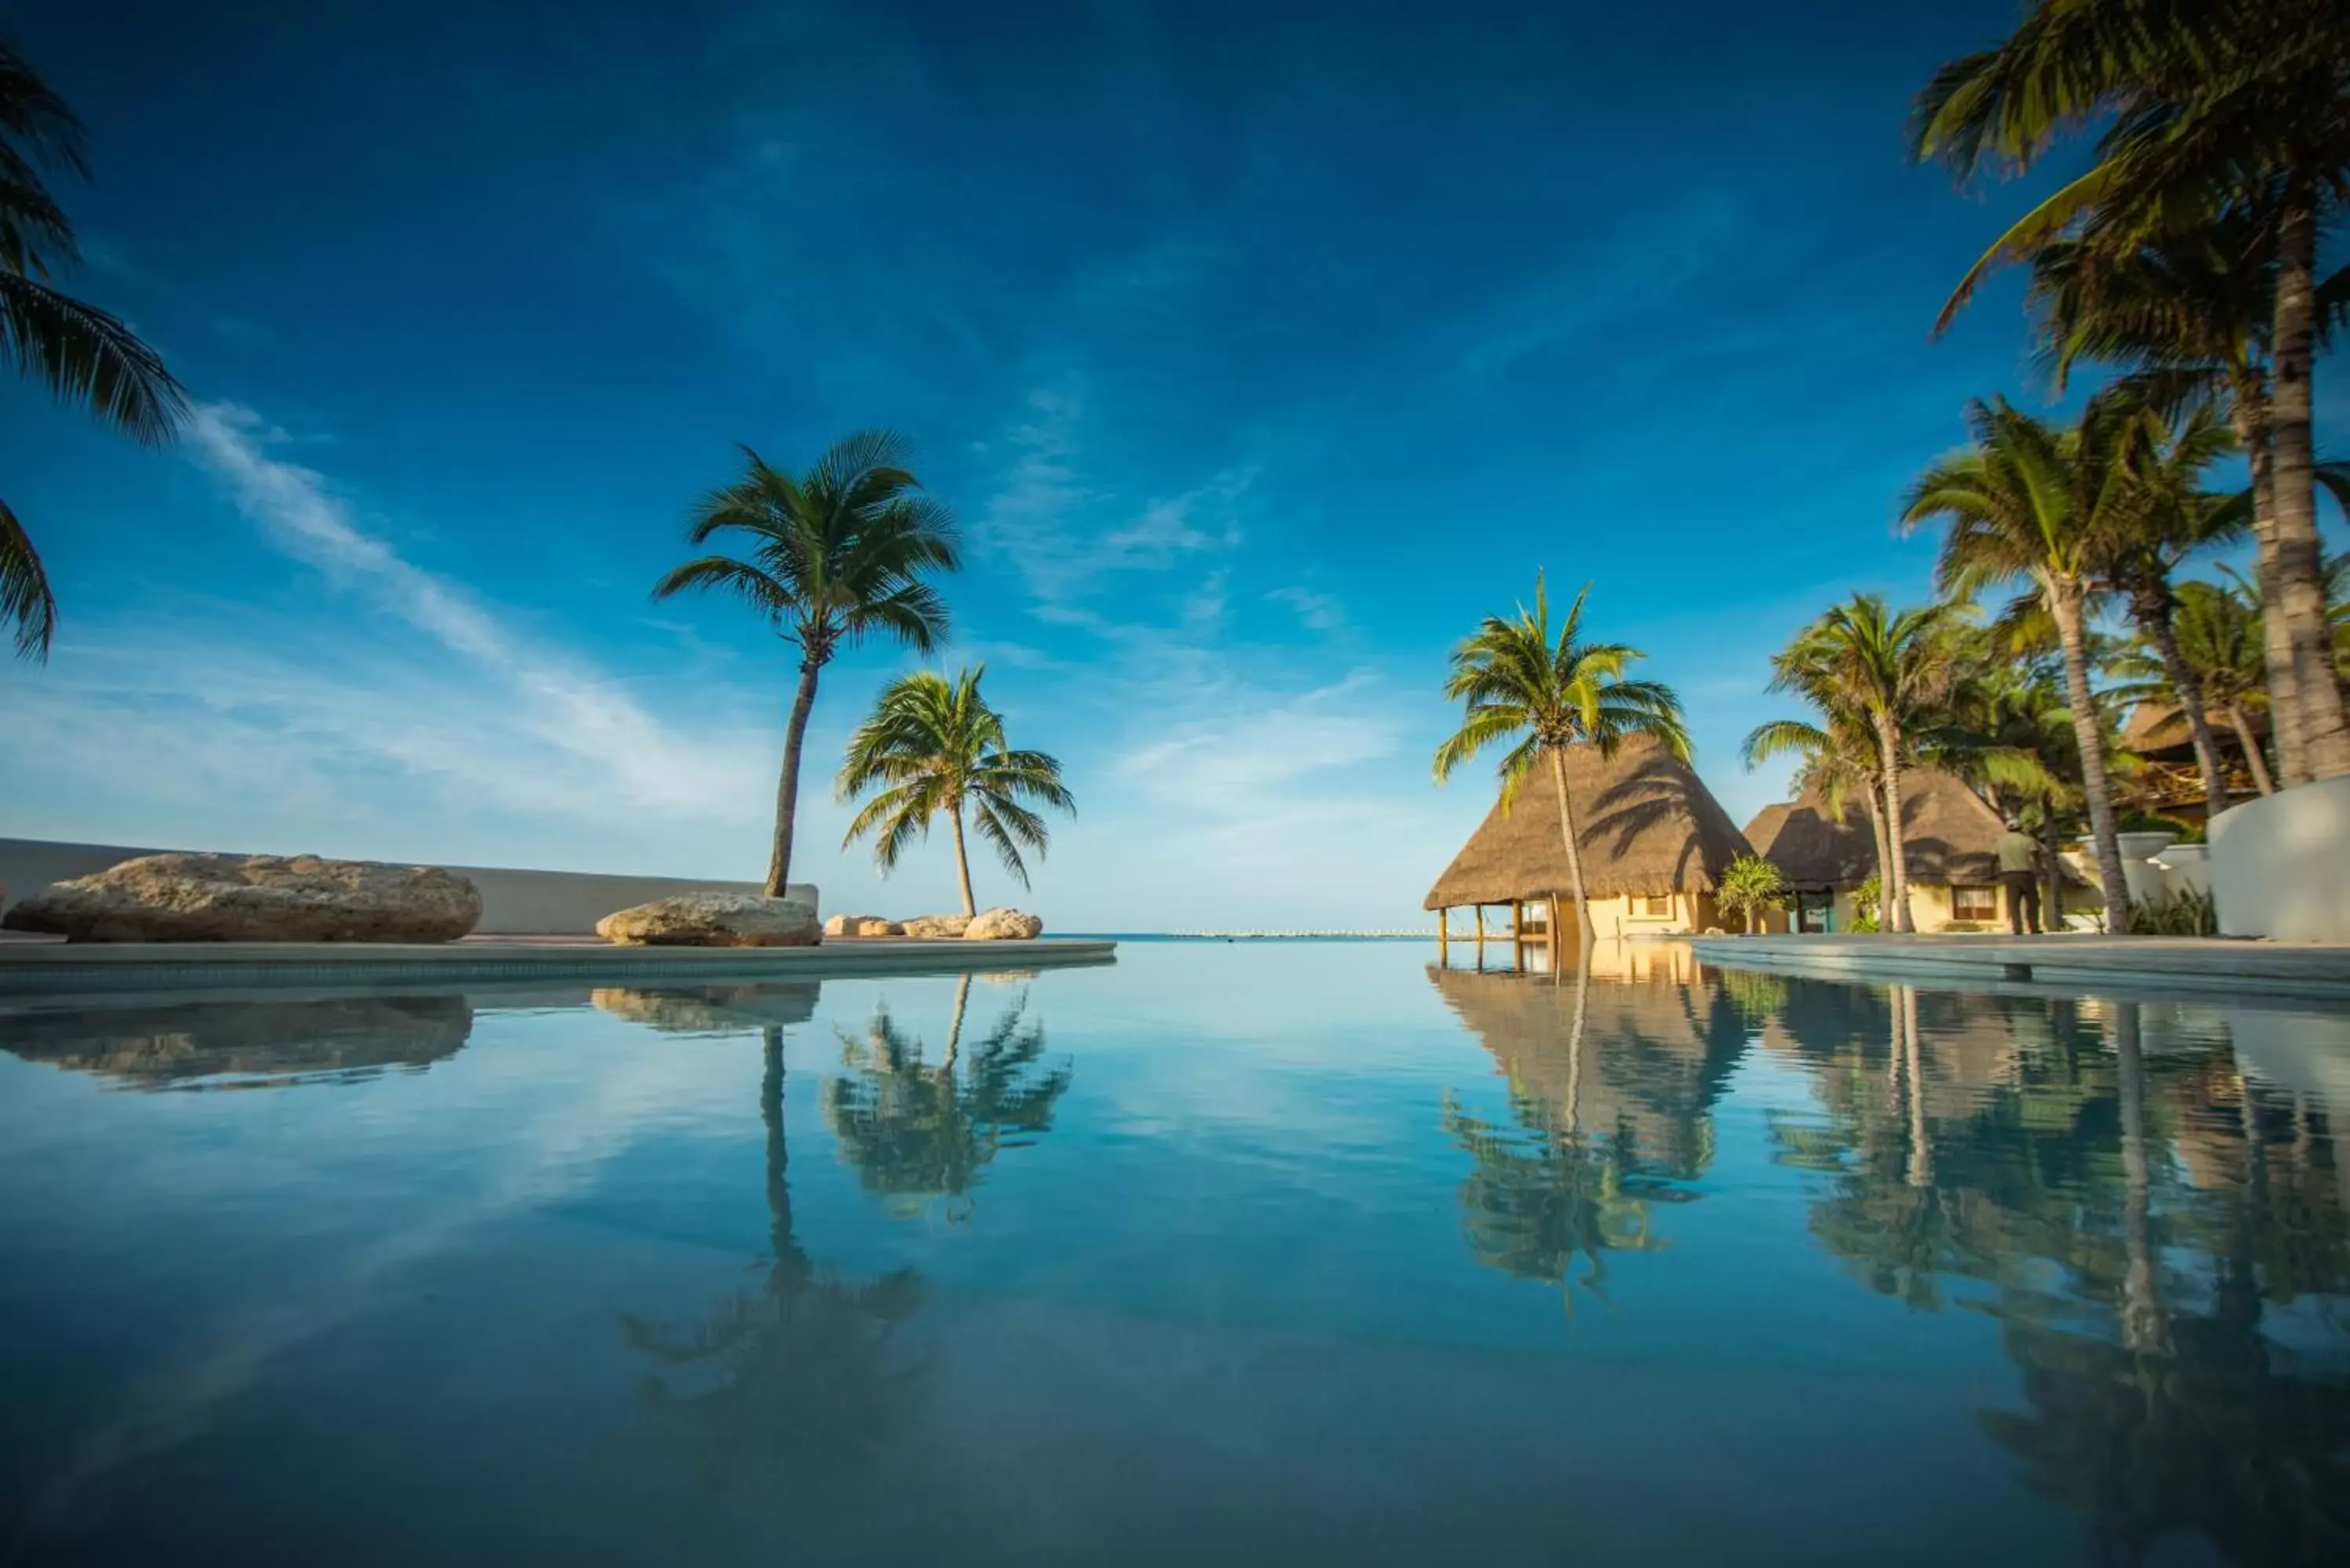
1305	1251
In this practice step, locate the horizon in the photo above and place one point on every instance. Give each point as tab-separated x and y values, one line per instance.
1258	357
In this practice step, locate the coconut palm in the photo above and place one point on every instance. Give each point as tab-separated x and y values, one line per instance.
2212	110
2168	517
80	353
933	745
2029	501
2217	632
1749	885
1546	692
1892	673
1838	756
837	555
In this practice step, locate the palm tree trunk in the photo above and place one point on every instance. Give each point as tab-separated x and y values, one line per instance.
2152	612
789	1259
2251	743
954	1026
962	862
787	787
1884	853
2051	872
2141	1298
2063	596
2252	422
1574	861
1897	852
1922	1142
2299	569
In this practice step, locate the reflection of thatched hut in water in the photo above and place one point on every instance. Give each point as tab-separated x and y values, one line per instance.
247	1043
1653	1057
1654	843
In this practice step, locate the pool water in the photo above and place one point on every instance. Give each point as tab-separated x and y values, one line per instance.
1301	1252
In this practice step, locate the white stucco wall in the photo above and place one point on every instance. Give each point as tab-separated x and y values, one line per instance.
2280	865
515	902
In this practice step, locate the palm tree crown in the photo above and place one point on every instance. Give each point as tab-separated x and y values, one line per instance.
1549	690
835	555
80	352
933	745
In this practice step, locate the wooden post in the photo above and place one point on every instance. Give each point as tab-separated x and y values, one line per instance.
1443	936
1480	909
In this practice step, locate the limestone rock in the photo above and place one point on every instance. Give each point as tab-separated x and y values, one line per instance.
862	926
937	926
256	899
1000	925
714	920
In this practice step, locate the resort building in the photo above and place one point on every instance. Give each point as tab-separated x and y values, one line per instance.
1654	843
2171	784
1950	837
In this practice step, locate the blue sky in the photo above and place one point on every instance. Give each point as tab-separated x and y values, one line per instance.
1260	350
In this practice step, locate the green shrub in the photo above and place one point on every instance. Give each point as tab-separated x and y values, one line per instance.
2185	913
1866	899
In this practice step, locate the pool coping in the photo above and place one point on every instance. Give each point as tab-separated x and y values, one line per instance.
37	968
2199	964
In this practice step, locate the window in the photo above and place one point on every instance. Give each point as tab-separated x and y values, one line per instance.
1974	903
1653	906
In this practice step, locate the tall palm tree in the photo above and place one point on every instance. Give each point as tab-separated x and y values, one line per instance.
2217	633
2189	315
1838	756
80	352
2033	502
2169	517
2210	108
934	745
1547	691
837	555
1892	672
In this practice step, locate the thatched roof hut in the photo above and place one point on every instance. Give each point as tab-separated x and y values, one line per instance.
1646	822
1949	835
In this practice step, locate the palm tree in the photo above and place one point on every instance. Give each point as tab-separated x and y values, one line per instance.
2190	318
80	352
2213	110
934	745
837	555
2013	743
1838	756
1547	693
2169	517
2217	633
1891	672
2028	501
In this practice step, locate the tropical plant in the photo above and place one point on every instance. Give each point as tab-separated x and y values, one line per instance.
1750	885
1546	692
1838	756
933	746
2217	632
1868	905
80	353
837	555
1891	671
2031	502
2215	113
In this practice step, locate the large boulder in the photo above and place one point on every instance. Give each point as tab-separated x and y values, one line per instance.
1002	925
254	898
937	926
862	926
714	920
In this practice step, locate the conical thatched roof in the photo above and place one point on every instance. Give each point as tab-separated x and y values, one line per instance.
1950	835
2159	728
1646	822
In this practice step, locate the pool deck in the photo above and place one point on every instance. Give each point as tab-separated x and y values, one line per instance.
44	967
2166	963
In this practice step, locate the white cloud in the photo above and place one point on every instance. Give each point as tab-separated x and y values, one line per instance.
1317	612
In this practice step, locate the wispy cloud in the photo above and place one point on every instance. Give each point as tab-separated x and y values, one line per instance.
1315	611
576	716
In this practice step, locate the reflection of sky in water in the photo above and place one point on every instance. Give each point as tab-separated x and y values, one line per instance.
1225	1249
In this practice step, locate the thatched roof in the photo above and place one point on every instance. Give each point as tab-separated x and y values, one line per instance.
1646	822
2159	730
1950	835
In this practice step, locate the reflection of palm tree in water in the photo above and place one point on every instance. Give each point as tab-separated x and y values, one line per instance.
801	1372
1542	1192
917	1131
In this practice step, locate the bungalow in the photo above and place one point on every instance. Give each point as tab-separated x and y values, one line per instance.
1653	839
